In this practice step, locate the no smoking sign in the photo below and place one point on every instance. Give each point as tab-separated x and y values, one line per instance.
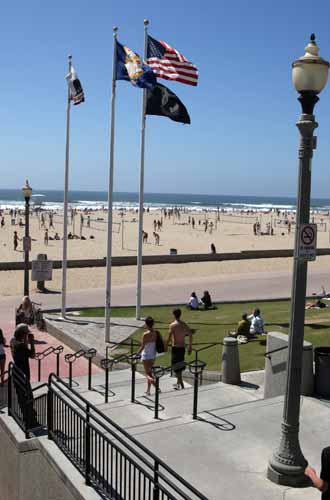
307	241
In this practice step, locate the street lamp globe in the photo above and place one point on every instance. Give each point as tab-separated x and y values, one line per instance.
310	72
27	190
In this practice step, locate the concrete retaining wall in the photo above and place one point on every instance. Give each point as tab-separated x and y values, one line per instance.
166	259
35	469
276	366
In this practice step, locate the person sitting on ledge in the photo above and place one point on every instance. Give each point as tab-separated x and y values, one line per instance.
25	313
193	302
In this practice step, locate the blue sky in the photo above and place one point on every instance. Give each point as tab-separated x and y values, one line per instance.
242	139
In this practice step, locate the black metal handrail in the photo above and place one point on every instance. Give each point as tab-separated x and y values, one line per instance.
28	411
72	358
111	460
4	390
108	363
267	354
196	368
40	356
197	351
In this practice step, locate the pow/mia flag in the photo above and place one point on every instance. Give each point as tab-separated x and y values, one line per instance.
76	90
162	101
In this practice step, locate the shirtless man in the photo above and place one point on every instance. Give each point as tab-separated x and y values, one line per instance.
177	332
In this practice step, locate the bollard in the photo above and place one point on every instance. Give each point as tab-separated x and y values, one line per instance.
230	366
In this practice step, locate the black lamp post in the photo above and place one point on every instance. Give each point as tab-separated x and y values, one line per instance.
287	465
27	192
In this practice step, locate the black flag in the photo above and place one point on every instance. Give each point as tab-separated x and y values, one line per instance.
162	101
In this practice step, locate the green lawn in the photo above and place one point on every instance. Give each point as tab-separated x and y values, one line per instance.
212	326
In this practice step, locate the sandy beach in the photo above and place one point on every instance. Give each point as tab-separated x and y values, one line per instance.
229	232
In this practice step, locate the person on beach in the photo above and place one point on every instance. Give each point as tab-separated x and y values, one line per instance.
25	313
213	249
193	302
2	221
156	236
257	323
178	331
16	239
46	237
2	357
321	482
148	351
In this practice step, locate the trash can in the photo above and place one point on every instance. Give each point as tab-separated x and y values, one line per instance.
322	371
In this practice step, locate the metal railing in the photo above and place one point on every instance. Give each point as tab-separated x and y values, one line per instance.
108	363
72	358
195	367
29	412
205	347
4	391
111	460
268	354
40	356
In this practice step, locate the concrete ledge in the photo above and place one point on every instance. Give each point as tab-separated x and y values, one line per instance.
130	260
276	366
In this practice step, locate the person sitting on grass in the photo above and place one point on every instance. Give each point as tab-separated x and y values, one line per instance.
318	305
257	323
243	328
193	302
206	300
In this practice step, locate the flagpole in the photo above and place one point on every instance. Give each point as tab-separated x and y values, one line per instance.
66	189
110	192
141	193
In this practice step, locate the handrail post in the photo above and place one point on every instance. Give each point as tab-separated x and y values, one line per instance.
88	447
39	369
156	397
133	368
70	374
195	395
10	378
58	364
50	415
156	482
89	374
106	398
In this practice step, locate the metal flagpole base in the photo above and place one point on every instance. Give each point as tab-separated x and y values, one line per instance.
287	465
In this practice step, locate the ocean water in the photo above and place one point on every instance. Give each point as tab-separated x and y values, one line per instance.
10	198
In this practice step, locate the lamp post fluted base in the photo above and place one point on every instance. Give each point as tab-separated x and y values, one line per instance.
287	465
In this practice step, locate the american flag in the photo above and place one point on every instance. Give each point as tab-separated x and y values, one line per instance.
166	62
